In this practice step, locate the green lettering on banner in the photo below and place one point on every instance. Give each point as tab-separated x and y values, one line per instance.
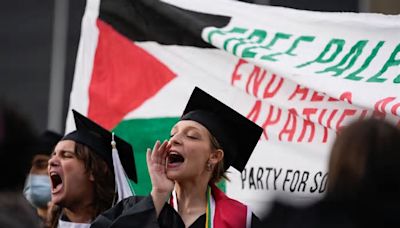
270	57
289	52
392	61
354	76
278	36
353	55
214	32
236	30
296	43
241	40
260	35
338	43
253	42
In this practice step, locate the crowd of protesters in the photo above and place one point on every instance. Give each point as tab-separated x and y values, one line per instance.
70	181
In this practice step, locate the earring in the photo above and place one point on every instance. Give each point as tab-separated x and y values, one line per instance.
209	166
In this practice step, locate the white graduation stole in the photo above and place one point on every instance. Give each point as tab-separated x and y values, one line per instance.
121	181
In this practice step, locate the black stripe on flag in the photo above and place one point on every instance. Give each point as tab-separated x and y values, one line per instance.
153	20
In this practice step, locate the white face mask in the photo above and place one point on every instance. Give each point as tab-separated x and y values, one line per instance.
37	190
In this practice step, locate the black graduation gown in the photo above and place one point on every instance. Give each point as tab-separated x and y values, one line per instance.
170	218
318	215
135	211
140	212
329	213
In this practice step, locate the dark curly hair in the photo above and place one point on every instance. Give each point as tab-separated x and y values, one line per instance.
104	188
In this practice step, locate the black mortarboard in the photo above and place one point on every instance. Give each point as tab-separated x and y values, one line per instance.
46	142
236	134
99	140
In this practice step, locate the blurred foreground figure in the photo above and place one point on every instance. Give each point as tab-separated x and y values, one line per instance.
16	141
363	182
37	189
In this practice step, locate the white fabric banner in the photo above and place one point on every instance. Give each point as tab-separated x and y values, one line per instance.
301	75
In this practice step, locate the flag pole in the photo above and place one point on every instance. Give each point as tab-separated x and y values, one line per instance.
57	68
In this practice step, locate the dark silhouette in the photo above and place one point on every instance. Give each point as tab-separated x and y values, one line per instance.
363	182
16	141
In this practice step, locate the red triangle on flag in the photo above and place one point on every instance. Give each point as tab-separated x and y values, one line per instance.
124	76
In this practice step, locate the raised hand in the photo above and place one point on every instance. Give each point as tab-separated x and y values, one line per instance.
156	163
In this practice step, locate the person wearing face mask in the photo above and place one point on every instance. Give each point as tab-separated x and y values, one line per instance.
37	189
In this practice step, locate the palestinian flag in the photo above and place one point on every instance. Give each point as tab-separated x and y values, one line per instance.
300	75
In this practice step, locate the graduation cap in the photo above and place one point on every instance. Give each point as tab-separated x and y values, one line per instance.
99	140
46	142
236	134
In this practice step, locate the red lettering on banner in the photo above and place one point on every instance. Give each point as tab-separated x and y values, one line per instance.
331	99
347	112
317	97
309	111
268	92
256	78
328	122
394	109
363	114
303	91
346	96
308	123
287	125
270	120
380	106
321	116
325	137
255	111
235	75
290	125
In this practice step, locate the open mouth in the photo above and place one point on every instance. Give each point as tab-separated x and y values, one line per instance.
56	182
175	158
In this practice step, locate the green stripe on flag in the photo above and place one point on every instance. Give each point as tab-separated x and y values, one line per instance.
142	134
